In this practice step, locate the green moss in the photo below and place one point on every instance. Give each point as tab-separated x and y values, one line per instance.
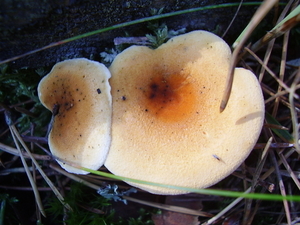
18	92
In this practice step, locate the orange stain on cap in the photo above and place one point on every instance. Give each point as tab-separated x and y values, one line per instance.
169	98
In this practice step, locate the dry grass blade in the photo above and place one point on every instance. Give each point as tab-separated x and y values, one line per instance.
16	135
280	82
263	177
172	208
282	188
290	171
233	19
282	70
15	152
152	204
285	25
30	178
272	169
273	145
275	126
294	113
238	45
74	177
279	94
226	209
271	42
247	219
14	132
283	98
263	158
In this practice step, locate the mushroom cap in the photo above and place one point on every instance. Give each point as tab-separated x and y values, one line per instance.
79	92
167	126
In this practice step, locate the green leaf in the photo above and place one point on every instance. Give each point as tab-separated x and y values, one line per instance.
283	134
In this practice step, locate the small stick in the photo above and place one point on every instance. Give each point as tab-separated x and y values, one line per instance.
131	40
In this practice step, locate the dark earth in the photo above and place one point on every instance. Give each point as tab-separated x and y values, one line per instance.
27	25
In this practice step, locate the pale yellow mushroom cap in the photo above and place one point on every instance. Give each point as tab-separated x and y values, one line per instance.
167	126
80	92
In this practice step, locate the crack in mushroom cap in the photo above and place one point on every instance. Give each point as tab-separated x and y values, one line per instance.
78	93
166	125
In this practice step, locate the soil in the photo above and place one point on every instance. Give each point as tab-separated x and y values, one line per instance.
28	25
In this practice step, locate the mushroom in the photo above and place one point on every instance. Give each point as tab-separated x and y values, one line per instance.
78	93
166	123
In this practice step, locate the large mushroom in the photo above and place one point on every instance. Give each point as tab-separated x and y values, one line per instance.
166	123
78	93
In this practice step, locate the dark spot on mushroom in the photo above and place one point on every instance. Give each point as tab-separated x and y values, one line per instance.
161	90
123	98
98	91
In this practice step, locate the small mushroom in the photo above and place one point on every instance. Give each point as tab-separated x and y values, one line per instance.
78	93
166	123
